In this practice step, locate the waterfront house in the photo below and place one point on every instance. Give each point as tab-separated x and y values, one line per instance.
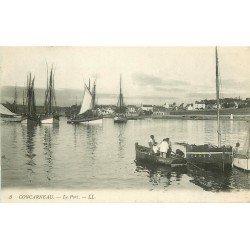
147	108
173	106
182	106
108	110
132	109
199	105
160	112
189	106
165	105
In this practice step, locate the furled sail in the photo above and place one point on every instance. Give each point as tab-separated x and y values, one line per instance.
87	101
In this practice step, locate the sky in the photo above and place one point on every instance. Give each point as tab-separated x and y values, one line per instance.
151	75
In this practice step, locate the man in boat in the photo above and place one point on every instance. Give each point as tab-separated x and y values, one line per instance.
236	149
169	147
151	141
164	147
153	144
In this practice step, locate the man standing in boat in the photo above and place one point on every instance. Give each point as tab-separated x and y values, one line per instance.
151	142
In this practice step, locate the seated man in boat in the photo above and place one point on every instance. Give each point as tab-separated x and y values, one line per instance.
164	147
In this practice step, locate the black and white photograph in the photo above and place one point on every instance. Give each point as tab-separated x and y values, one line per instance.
138	123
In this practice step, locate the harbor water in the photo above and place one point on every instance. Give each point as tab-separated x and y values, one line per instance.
103	156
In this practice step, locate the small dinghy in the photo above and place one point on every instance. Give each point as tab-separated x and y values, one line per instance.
145	154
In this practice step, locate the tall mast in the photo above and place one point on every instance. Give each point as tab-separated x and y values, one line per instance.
218	98
50	90
23	101
248	146
46	91
54	92
93	95
15	100
120	96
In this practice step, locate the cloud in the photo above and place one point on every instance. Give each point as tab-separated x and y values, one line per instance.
159	84
232	84
171	90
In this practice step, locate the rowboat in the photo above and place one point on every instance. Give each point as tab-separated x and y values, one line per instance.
145	154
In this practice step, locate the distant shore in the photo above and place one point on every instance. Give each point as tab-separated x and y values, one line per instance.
203	117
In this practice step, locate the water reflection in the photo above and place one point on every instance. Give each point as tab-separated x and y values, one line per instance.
30	131
164	175
240	179
121	128
50	134
70	156
218	181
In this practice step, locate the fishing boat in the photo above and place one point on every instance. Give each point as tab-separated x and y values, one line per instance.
207	155
120	115
88	114
241	157
145	154
50	116
30	117
8	116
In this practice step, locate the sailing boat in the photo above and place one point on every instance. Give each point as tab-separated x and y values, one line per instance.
87	113
14	109
50	116
207	155
30	116
10	115
241	158
120	116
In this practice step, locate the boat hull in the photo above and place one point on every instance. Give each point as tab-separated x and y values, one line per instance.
241	162
144	154
209	157
30	121
86	121
51	120
11	119
118	119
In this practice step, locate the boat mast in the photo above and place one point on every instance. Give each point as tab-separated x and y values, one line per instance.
50	98
15	101
33	98
93	95
23	100
50	90
120	104
54	92
248	146
218	98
